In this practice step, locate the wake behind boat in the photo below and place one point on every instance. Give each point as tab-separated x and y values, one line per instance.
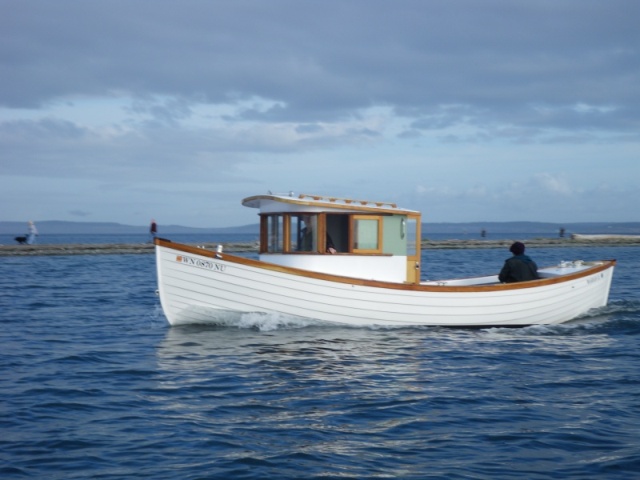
358	263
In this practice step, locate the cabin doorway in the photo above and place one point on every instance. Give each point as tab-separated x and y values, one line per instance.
338	231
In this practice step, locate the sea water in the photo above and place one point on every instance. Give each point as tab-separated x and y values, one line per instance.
95	384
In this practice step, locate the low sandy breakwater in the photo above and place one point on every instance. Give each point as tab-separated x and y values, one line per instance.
107	248
147	248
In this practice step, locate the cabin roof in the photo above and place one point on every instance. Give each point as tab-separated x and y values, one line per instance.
293	202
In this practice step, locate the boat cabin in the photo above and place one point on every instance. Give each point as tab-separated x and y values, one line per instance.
338	236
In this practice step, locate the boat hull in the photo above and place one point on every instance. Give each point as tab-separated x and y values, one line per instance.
200	286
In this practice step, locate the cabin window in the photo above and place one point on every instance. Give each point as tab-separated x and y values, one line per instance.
367	234
304	236
275	233
345	233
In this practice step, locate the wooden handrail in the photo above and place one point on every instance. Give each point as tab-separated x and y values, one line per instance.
348	201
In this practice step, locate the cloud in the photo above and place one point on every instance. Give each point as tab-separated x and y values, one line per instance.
355	97
539	197
324	61
545	183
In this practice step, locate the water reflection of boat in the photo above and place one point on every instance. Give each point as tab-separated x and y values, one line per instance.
357	263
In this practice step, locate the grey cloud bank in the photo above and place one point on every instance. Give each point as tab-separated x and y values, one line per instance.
469	111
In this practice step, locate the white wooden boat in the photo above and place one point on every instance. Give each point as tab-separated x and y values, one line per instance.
372	279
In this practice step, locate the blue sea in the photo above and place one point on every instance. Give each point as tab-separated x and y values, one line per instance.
94	384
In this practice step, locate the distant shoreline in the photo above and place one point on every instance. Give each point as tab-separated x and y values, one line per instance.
243	247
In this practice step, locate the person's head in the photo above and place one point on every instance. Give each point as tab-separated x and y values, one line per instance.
517	248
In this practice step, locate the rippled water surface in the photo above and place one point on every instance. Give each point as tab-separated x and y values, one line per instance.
95	384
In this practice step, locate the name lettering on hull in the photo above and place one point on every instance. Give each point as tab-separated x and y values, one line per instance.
595	279
198	262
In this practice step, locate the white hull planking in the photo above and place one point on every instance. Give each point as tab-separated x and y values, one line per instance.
206	289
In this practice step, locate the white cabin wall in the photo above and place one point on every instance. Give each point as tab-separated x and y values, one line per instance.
382	268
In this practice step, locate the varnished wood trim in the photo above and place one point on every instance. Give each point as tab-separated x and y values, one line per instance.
264	236
322	232
414	260
286	246
351	205
607	264
347	200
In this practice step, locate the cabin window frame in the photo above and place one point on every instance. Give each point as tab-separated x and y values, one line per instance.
272	229
287	232
354	233
296	238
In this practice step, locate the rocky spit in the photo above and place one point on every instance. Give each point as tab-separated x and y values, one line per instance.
148	248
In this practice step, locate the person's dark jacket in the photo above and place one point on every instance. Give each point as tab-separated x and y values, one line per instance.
518	268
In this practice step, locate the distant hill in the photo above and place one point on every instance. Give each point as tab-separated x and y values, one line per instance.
469	228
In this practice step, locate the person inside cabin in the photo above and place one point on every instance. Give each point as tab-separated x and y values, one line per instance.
331	248
307	237
518	268
307	234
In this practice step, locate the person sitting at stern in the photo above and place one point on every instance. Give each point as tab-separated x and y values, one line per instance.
518	268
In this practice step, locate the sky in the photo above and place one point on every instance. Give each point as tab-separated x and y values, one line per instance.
494	110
